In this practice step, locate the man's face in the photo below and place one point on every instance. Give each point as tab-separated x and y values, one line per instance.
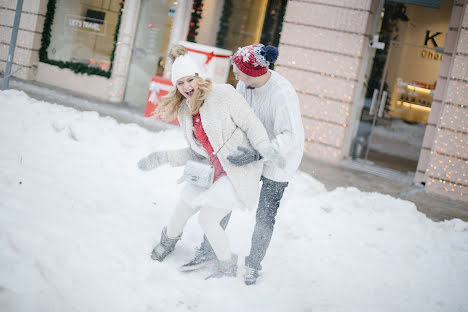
242	77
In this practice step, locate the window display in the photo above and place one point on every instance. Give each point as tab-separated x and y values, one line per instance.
81	35
401	84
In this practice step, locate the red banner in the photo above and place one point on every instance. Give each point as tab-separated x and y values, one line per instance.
158	87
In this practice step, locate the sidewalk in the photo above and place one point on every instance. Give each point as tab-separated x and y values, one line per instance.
343	174
434	206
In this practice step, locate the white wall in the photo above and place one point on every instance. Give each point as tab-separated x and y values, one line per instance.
28	41
209	23
92	85
321	50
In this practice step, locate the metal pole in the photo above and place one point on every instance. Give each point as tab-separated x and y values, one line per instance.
373	102
11	51
384	76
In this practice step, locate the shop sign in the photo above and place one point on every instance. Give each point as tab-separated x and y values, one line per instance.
81	23
430	54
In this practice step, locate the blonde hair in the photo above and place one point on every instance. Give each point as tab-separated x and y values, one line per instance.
173	101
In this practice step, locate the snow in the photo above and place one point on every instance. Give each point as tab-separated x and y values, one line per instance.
78	221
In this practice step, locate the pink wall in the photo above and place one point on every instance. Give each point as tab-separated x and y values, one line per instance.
443	164
321	51
28	42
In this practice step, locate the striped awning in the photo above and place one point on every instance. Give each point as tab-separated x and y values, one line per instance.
427	3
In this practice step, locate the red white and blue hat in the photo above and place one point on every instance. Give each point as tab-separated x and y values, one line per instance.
253	60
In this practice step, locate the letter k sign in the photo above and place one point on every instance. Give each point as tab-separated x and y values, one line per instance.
429	37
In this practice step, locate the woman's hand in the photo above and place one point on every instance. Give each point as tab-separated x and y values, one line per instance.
153	161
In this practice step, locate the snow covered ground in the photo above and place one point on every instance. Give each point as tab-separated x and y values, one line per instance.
78	221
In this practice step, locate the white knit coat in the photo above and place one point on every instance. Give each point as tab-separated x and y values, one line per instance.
276	104
223	110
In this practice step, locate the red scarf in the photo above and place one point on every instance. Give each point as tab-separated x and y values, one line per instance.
201	136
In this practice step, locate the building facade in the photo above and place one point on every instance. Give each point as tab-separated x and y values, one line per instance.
383	82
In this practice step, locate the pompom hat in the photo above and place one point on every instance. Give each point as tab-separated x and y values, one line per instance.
183	66
253	60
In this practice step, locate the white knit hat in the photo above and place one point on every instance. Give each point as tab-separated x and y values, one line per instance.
183	66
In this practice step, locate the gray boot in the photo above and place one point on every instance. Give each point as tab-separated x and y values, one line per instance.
226	268
166	246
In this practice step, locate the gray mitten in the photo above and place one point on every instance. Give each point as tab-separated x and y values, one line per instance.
247	156
152	161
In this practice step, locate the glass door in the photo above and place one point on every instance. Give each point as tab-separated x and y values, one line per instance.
401	84
149	48
393	123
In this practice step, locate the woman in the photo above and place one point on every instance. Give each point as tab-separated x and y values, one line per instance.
215	120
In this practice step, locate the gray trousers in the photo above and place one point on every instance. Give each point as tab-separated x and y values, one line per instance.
269	202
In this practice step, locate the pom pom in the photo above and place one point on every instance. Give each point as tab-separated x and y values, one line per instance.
270	53
177	51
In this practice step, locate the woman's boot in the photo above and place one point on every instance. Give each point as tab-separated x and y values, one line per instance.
226	268
165	246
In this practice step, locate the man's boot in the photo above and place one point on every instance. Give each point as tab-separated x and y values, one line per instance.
250	276
203	258
226	268
166	246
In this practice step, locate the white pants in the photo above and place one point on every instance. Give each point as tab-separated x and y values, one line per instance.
214	204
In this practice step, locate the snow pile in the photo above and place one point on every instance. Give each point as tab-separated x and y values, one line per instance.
78	221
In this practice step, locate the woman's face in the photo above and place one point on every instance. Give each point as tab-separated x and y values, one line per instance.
187	86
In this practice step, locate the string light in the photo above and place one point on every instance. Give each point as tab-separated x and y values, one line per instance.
325	79
116	85
447	171
321	58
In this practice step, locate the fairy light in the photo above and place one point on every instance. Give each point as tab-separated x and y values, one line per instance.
116	85
321	56
447	171
322	63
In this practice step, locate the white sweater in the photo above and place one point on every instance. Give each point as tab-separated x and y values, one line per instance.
224	111
276	104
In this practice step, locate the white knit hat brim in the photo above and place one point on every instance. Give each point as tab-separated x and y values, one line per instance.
183	66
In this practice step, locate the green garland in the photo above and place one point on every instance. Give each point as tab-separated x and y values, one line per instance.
224	23
279	26
116	38
78	68
394	12
273	24
194	20
271	30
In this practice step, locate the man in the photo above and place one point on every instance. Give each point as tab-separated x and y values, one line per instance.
276	104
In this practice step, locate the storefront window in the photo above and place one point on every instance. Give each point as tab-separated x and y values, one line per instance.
242	23
81	35
401	85
150	47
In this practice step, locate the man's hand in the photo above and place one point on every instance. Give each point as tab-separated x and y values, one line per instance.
270	153
247	156
153	161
